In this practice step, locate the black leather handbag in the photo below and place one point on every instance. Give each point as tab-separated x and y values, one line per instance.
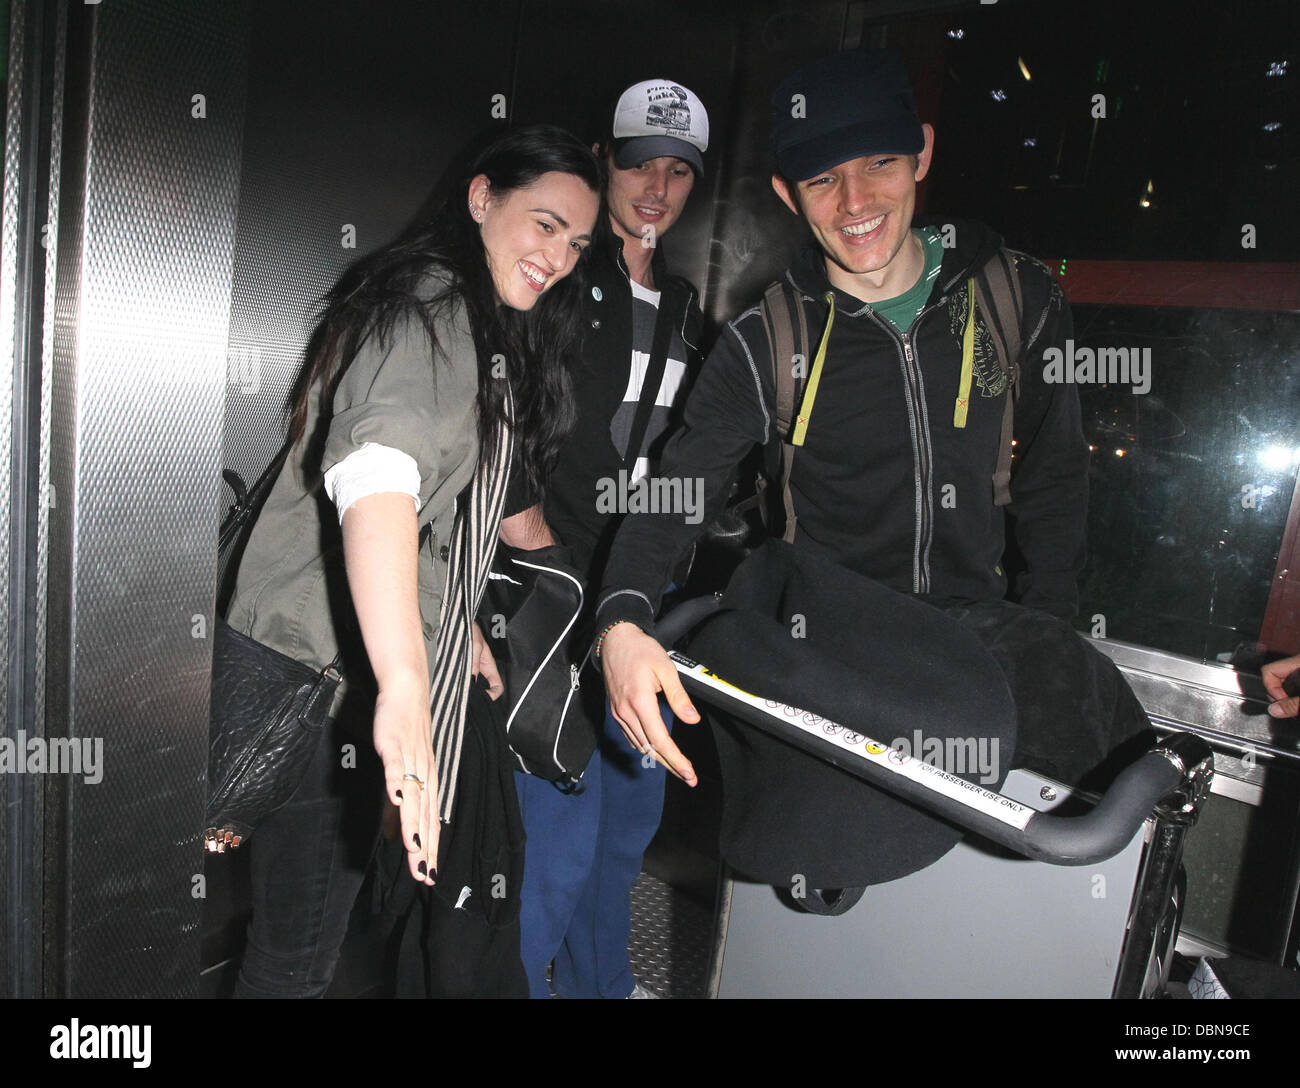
268	710
268	713
529	610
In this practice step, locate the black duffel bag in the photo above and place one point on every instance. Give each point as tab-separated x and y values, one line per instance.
810	633
528	615
995	677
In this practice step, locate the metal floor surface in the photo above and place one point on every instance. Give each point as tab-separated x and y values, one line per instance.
669	943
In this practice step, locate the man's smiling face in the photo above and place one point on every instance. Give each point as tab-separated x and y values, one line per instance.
861	212
651	194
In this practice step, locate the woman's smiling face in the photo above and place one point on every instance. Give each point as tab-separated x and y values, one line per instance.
533	236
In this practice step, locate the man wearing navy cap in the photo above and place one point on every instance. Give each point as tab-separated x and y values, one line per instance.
639	351
903	427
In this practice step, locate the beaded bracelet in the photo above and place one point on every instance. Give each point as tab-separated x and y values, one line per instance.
600	638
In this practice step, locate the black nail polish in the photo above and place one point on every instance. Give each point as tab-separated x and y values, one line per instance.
399	795
424	869
434	873
416	838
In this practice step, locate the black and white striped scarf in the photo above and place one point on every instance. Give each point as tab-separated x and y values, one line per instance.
470	551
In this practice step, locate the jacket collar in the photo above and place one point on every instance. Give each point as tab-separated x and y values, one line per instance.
609	245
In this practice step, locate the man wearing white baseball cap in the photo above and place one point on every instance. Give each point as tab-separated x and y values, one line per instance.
640	351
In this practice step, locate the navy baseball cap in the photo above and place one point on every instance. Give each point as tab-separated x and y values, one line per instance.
852	104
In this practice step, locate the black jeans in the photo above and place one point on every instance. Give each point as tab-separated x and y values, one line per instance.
308	861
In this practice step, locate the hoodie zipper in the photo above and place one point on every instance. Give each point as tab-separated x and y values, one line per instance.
918	422
924	471
922	444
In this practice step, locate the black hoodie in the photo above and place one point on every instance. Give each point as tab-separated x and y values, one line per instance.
886	484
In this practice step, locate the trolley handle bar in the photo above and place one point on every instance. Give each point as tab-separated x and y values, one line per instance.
1107	828
681	618
1174	776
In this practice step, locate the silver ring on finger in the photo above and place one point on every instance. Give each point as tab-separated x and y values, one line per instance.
409	777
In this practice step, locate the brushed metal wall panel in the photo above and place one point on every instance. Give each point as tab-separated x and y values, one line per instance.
8	287
31	981
32	53
51	242
139	365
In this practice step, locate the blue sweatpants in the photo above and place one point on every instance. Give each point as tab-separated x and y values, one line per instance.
582	856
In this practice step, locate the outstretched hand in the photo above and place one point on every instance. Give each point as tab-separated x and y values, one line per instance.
636	670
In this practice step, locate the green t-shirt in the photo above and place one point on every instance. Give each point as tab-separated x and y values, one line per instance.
901	310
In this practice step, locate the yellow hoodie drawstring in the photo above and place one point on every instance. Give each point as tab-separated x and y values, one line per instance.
967	361
810	394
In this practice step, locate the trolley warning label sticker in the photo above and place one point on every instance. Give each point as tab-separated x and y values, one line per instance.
895	760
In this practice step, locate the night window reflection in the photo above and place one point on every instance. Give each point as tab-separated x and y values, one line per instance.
1191	483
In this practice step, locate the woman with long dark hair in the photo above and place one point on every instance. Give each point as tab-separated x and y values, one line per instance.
438	362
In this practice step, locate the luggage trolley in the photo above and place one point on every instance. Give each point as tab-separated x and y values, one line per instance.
1090	903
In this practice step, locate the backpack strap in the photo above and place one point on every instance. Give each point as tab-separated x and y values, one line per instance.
782	313
997	291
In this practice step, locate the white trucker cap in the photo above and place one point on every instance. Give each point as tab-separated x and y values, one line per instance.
659	117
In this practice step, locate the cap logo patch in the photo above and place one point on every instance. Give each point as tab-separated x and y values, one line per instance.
668	109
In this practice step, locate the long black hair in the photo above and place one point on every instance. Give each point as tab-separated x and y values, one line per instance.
529	348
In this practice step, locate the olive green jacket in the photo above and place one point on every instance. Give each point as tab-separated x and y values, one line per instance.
291	591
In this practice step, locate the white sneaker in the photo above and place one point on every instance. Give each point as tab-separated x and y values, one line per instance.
639	991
